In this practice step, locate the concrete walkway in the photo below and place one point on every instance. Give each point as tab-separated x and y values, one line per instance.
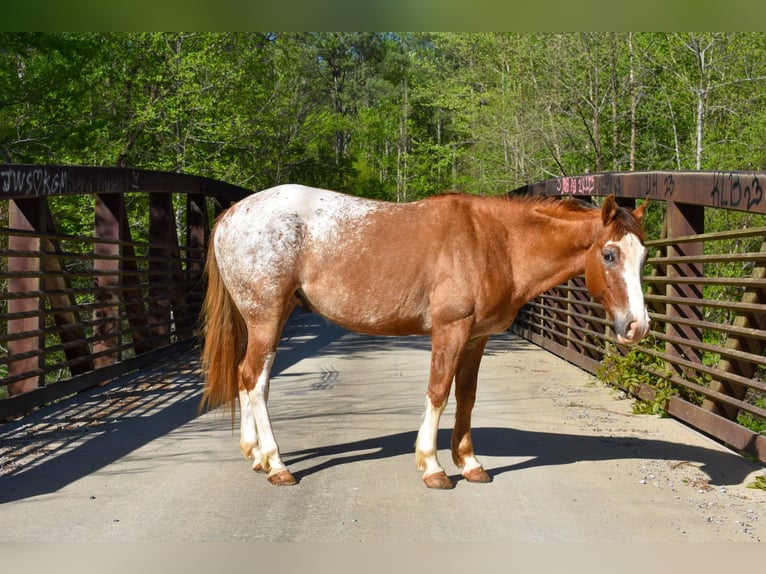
132	461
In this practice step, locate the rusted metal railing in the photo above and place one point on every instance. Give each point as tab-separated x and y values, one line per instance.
78	307
706	293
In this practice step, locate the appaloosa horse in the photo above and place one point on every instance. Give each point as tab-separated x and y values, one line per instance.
457	267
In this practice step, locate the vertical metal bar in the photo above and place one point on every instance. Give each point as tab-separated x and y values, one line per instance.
109	213
220	205
25	215
167	305
197	232
160	220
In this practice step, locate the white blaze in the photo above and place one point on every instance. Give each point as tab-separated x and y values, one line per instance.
633	254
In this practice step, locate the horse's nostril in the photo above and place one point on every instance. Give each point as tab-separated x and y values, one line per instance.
636	331
624	326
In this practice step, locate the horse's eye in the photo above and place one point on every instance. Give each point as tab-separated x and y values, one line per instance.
609	255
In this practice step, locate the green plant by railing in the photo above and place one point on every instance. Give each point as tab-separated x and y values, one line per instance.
649	379
754	422
636	371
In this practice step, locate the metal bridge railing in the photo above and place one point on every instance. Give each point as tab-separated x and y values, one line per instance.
81	306
78	307
706	294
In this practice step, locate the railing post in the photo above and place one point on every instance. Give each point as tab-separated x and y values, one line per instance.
197	232
26	215
167	304
220	205
684	220
109	216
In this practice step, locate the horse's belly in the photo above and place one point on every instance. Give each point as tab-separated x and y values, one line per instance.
371	314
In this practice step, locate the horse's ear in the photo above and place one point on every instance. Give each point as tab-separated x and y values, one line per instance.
638	213
608	210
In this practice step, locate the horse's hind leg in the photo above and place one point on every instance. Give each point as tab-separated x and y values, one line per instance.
257	437
248	434
465	396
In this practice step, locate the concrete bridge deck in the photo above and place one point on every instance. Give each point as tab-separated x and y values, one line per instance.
132	461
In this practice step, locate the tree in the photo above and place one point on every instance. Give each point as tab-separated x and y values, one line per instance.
42	86
702	91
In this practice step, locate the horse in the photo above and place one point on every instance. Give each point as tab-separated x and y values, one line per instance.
454	266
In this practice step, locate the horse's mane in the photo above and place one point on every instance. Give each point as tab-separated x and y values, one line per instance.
623	222
553	205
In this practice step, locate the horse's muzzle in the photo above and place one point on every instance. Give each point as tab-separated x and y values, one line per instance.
631	330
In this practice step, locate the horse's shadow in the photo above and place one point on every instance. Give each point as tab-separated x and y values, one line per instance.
535	449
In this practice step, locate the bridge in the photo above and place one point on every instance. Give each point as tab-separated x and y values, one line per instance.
101	383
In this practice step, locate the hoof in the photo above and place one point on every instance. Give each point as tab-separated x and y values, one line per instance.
477	474
258	467
438	480
282	478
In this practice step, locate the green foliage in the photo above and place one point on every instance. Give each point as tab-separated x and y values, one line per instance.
639	370
754	422
397	116
636	370
759	483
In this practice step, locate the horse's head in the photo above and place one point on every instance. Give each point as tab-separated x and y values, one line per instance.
613	269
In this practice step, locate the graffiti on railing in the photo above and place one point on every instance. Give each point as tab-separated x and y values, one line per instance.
40	181
657	185
45	181
670	185
576	185
651	184
735	190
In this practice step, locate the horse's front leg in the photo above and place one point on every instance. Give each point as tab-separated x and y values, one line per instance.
447	347
465	397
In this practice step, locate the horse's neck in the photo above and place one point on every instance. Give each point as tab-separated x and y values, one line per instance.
554	250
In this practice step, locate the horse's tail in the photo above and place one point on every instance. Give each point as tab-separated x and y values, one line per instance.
224	332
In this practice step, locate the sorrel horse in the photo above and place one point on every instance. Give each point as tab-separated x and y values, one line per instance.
457	267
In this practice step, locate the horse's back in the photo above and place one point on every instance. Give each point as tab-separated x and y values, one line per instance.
368	265
311	203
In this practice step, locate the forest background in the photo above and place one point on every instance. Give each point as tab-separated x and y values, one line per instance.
397	116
